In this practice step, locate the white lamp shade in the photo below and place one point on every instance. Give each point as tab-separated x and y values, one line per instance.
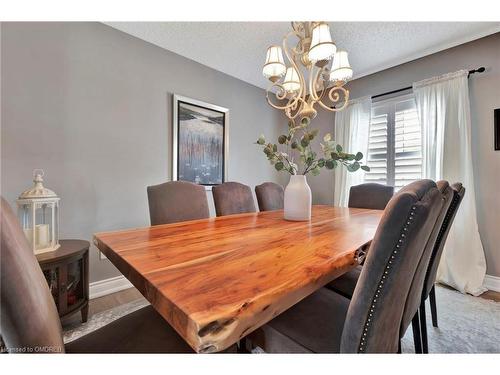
341	70
292	81
275	65
322	47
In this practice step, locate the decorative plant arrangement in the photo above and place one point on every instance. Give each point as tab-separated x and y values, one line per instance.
299	141
295	155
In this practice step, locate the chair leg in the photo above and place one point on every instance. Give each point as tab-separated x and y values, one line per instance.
432	300
399	347
242	346
423	328
417	340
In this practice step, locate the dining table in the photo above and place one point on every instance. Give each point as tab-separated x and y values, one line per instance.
216	280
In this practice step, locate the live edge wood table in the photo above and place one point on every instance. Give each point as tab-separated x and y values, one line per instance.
216	280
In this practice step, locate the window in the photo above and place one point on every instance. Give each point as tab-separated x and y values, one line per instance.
394	143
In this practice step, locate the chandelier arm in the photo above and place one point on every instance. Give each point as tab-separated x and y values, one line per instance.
334	96
292	61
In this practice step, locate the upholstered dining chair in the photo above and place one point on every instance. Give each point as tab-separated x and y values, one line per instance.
232	198
176	201
346	284
430	275
370	195
29	320
270	196
327	322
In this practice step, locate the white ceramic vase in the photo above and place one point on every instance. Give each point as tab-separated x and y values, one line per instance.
298	200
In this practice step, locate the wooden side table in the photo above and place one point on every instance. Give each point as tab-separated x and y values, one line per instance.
67	273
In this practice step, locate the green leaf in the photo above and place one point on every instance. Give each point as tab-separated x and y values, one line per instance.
261	139
330	164
358	156
304	141
350	157
339	148
321	163
275	148
305	121
291	124
282	139
365	168
353	167
315	171
294	144
279	166
335	156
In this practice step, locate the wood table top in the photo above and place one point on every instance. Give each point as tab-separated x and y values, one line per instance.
216	280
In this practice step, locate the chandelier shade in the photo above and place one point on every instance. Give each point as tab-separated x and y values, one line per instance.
275	67
322	47
291	82
341	69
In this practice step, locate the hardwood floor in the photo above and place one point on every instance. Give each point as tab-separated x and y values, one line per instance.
104	303
495	296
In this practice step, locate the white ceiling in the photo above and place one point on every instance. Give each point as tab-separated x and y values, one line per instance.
238	48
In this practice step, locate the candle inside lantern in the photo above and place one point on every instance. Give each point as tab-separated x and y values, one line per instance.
42	235
28	232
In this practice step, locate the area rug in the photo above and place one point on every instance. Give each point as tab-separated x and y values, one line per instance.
466	324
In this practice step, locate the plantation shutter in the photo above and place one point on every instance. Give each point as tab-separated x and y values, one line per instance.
395	143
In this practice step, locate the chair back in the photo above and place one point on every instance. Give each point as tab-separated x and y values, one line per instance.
417	285
376	309
29	319
270	196
430	276
232	198
176	201
370	195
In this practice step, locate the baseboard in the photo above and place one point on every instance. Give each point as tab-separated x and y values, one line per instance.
103	287
492	283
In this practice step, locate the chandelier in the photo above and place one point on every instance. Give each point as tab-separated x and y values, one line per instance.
314	56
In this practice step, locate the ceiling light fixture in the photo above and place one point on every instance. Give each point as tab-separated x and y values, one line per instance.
312	54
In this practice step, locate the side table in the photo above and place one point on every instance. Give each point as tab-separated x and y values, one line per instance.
67	273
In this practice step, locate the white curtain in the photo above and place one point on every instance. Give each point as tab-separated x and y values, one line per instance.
351	132
444	112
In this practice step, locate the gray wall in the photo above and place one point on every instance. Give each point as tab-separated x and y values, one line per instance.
484	95
92	107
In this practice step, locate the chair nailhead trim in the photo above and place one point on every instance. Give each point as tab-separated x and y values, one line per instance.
362	344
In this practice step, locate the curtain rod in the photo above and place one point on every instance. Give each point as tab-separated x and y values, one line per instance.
478	70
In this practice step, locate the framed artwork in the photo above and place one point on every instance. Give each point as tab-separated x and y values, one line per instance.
497	129
200	142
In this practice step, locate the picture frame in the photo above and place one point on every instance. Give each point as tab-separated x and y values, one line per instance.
199	141
497	128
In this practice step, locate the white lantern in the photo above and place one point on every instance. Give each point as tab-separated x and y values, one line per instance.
38	211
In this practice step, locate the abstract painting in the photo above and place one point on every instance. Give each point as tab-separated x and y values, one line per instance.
200	141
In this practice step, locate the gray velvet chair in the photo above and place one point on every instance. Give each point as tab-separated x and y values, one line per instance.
232	198
370	195
373	196
270	196
430	276
346	284
176	201
29	320
327	322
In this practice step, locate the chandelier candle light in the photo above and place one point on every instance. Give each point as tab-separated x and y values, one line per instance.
315	56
